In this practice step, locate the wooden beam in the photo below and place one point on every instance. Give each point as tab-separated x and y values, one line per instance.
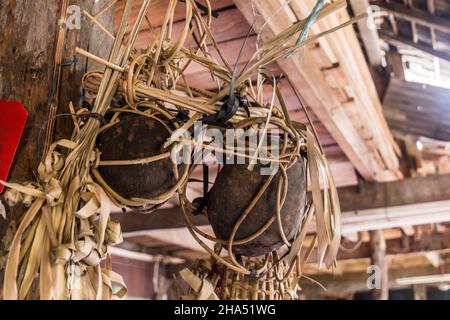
27	57
159	219
395	217
397	40
173	236
143	256
396	193
394	60
378	258
309	78
365	207
415	15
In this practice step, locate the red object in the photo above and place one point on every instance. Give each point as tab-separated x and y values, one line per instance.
13	117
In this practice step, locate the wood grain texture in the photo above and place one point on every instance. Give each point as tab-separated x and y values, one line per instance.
158	8
417	109
378	258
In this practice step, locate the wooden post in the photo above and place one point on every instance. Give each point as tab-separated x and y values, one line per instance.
378	258
420	292
27	54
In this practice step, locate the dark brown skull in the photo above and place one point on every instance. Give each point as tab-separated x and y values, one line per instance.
234	189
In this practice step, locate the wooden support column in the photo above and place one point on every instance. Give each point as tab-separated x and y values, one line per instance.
378	258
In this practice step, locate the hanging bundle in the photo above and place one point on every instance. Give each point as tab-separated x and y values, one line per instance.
144	112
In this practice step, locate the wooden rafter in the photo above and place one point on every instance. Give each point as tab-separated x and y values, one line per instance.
364	137
368	35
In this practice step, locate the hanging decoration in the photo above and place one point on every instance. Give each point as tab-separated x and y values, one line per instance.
124	149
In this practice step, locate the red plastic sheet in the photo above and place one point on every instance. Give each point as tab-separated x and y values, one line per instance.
13	117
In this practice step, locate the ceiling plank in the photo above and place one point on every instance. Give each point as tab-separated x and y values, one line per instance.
158	9
423	105
228	25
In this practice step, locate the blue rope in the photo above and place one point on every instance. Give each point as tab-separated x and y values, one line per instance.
312	18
